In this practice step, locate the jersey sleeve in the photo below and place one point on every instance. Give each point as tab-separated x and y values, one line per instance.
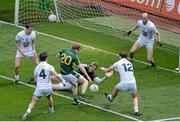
51	69
35	73
138	23
76	60
155	29
61	51
18	37
33	35
115	66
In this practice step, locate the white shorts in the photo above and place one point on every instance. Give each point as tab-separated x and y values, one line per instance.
72	79
28	54
145	42
42	92
60	86
126	87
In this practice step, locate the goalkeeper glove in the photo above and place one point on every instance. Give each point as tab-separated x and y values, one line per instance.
128	33
159	44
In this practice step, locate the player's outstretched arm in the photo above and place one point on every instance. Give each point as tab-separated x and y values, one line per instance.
106	70
81	67
159	39
59	77
129	32
100	80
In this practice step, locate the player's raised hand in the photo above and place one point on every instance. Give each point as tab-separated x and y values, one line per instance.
127	33
103	69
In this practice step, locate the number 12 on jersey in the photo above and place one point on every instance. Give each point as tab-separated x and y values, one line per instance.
127	67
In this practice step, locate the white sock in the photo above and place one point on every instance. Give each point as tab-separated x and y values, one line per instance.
110	97
28	110
16	77
136	109
51	108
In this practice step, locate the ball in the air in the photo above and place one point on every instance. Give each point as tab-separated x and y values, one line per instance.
52	18
94	88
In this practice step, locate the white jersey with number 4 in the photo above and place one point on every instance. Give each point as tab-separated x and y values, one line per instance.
25	41
125	70
42	72
147	31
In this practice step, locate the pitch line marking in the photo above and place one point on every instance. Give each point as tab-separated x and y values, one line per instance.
91	105
91	47
167	119
69	98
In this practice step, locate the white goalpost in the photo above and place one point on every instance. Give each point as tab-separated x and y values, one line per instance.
35	11
16	13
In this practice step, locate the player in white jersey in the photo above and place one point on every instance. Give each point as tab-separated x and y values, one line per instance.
42	75
127	83
25	44
146	38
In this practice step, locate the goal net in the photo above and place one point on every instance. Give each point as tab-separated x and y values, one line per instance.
112	17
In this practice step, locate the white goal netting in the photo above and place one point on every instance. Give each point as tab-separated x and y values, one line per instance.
112	17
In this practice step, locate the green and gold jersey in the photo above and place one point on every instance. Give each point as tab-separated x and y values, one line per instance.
68	57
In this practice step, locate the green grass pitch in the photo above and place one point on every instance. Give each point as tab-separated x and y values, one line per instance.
158	89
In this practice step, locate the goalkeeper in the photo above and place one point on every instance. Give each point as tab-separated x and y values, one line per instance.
90	69
146	38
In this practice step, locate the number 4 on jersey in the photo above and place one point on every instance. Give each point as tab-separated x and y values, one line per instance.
42	74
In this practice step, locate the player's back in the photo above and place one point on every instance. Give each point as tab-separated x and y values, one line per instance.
68	57
125	69
43	72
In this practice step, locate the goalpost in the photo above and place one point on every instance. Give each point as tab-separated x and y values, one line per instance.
35	11
111	17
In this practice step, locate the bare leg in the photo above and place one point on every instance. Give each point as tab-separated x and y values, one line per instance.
34	60
74	90
17	66
33	103
50	101
114	93
150	56
84	83
30	107
133	50
135	103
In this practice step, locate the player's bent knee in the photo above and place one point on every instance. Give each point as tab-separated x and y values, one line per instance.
82	80
134	94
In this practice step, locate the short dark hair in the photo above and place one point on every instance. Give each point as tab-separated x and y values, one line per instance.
43	56
123	54
76	46
28	24
94	64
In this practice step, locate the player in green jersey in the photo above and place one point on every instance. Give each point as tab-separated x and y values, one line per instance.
67	57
